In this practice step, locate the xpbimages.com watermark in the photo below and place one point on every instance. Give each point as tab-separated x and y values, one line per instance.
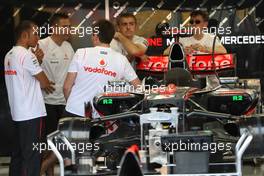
224	33
80	147
195	146
147	89
80	31
190	30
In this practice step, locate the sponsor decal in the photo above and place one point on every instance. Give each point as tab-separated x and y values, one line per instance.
10	72
102	63
154	63
103	52
66	57
205	62
100	71
195	63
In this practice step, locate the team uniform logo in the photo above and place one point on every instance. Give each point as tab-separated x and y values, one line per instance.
10	71
66	57
103	52
101	69
102	63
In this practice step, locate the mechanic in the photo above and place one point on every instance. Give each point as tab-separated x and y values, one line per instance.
92	68
24	79
201	42
126	42
58	54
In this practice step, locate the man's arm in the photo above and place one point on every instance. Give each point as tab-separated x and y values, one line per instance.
130	75
136	83
71	76
31	64
38	53
144	58
219	49
133	49
166	52
68	83
45	84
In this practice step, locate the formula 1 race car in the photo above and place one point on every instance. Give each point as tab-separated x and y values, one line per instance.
173	110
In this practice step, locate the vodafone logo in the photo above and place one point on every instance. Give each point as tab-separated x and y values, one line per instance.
10	72
201	63
102	63
100	71
155	63
208	65
157	66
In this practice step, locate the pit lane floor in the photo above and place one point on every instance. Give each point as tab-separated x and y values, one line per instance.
248	169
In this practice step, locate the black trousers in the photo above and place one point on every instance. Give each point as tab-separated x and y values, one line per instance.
69	114
25	158
54	113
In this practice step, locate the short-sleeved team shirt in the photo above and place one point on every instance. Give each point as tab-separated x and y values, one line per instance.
24	92
95	67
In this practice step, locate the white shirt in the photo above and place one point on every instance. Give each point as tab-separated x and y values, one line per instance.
207	41
55	64
95	67
118	46
24	93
